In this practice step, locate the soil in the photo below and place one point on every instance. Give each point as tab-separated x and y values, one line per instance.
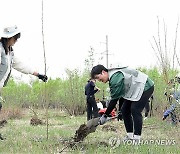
2	123
35	121
109	128
81	133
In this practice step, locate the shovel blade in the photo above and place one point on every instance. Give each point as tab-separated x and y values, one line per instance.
92	124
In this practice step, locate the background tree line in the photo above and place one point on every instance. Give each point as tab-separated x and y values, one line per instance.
68	94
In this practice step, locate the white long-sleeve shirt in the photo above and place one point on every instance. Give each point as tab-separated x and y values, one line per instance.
7	62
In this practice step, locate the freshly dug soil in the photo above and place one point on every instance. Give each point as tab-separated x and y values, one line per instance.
86	129
35	121
81	133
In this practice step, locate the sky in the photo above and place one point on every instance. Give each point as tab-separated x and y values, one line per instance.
72	27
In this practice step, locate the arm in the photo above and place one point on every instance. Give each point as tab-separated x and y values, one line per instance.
23	68
116	85
96	89
111	106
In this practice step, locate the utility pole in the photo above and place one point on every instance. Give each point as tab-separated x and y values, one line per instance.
107	51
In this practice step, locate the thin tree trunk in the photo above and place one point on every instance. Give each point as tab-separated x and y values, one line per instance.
47	119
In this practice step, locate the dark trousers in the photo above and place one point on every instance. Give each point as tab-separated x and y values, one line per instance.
147	108
132	112
92	109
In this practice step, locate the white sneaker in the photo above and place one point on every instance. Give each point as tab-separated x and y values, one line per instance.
145	118
127	138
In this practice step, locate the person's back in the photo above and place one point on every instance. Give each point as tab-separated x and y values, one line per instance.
89	89
92	109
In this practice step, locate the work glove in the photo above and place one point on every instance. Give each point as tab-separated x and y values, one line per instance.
42	77
164	117
103	119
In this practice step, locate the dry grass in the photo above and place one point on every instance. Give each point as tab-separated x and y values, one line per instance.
11	113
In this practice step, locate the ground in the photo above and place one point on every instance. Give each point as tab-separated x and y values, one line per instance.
22	137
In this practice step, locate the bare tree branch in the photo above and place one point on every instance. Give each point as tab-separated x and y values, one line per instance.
165	45
174	54
155	52
177	60
159	36
165	37
159	52
162	56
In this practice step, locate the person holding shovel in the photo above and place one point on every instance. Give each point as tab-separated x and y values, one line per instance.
133	89
8	37
90	90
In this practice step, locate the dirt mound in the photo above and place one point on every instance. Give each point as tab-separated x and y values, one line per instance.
109	128
2	123
35	121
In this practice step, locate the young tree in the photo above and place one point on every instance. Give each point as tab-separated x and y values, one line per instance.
166	57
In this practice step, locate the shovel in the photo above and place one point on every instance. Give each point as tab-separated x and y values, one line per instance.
93	123
88	128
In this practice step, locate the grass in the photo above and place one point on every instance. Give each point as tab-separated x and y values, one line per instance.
21	137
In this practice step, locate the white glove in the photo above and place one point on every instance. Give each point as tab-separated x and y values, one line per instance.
103	119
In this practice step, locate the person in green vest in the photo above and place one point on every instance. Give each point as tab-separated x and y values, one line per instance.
133	89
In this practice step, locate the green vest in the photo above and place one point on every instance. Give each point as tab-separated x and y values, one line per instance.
133	83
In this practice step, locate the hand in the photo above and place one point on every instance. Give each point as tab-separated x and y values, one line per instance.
42	77
103	119
164	117
98	88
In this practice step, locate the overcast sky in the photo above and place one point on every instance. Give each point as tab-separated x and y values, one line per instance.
71	27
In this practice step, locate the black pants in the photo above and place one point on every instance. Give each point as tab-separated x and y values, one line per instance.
147	108
132	112
92	109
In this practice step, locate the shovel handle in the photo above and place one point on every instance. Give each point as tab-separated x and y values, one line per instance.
111	118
